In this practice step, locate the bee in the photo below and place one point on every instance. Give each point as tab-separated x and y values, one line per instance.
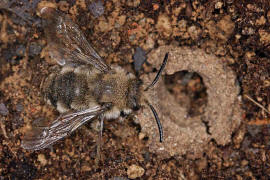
84	87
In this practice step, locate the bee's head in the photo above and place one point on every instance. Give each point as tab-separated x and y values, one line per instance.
133	94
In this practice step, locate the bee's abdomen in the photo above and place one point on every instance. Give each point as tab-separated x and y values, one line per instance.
63	89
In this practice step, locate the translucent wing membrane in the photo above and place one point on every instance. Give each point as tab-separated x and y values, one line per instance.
67	43
42	136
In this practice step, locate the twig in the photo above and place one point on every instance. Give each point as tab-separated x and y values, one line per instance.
261	106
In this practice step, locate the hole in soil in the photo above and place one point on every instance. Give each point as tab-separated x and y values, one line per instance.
189	91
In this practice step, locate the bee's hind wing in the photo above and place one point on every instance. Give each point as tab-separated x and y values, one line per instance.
40	137
67	43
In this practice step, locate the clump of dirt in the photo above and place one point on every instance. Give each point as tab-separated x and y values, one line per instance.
183	133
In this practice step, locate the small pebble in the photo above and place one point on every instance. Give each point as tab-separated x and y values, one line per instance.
63	6
19	107
135	171
244	162
3	109
42	159
139	58
133	3
163	25
96	8
218	5
34	49
254	130
20	50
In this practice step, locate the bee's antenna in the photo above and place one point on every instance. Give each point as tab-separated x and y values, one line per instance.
160	129
159	72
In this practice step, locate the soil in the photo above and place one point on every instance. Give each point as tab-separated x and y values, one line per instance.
236	32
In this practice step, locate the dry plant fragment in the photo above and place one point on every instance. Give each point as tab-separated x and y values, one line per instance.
184	134
256	103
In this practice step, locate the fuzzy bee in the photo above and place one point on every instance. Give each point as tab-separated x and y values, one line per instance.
84	87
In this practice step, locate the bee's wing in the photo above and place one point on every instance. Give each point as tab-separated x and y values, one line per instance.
67	43
42	136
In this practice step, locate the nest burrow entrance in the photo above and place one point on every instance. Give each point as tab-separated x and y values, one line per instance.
188	90
220	110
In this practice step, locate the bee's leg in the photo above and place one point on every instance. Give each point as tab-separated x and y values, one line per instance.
99	143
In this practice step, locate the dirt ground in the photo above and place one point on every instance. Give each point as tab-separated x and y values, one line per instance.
237	32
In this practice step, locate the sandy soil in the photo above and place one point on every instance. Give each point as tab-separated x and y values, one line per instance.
235	33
